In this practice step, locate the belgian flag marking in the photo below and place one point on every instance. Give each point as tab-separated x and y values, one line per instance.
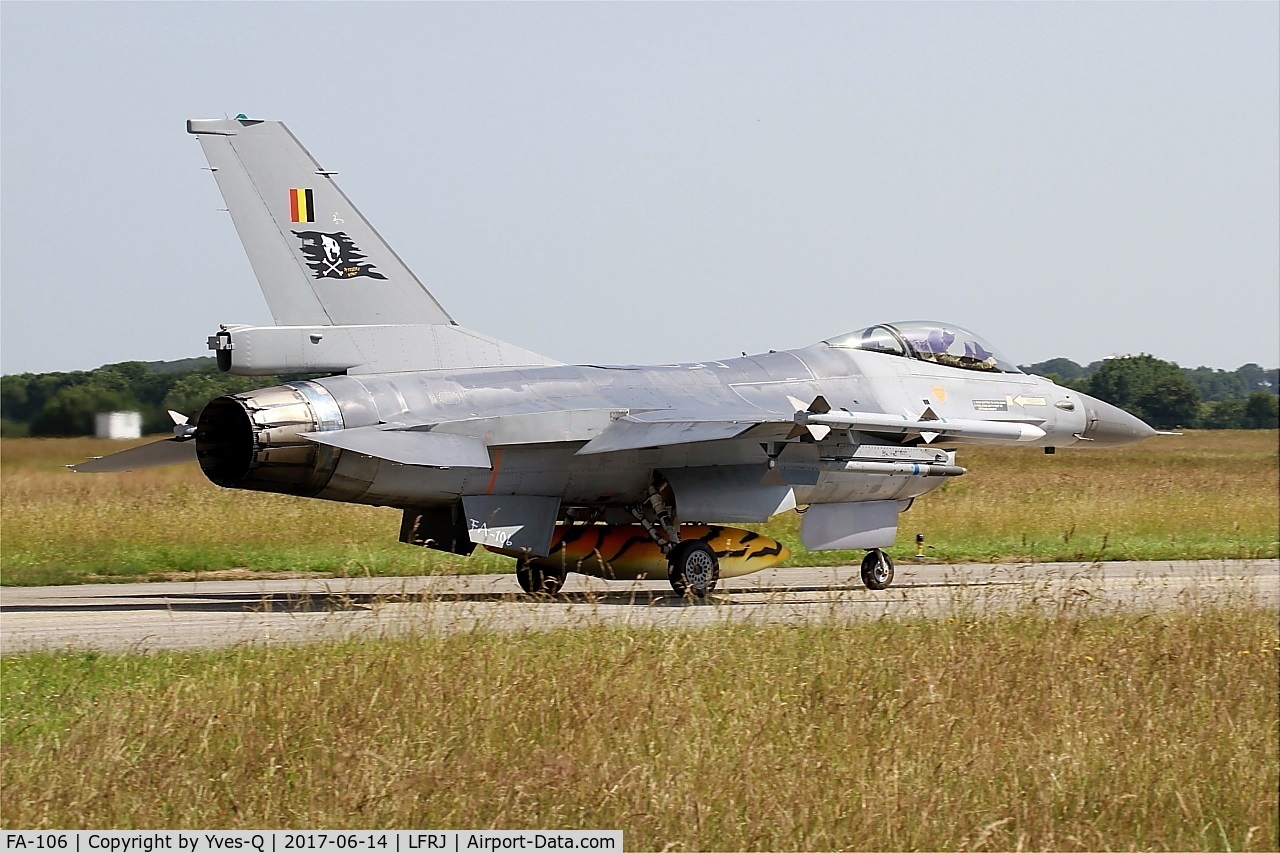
301	208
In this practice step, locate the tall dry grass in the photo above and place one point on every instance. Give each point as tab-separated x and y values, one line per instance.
1142	731
57	526
1202	495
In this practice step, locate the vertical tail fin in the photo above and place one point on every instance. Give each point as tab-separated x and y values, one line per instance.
318	261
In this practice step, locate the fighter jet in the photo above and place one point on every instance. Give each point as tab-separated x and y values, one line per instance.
619	471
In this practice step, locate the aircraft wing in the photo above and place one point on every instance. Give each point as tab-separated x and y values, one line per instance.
667	427
659	429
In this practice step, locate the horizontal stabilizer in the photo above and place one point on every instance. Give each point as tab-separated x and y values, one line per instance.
408	447
170	451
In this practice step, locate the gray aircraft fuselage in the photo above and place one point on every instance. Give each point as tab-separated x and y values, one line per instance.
536	419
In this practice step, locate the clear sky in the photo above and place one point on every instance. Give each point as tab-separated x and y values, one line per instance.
666	182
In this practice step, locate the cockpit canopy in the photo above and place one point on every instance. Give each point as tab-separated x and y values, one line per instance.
939	343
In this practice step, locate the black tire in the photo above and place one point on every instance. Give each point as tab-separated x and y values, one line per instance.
877	570
693	568
539	580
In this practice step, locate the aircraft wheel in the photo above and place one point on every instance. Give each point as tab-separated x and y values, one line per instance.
693	568
877	569
539	580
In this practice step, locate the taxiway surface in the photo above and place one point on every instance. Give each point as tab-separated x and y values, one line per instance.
206	614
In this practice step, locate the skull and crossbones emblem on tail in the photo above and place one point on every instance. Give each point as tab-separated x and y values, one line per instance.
334	256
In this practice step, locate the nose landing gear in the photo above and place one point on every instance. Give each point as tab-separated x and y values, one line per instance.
877	569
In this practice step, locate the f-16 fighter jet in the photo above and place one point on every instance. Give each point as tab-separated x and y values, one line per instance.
615	471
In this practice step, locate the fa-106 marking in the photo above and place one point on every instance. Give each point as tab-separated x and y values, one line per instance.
616	471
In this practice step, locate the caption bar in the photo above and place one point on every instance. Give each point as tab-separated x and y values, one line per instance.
329	841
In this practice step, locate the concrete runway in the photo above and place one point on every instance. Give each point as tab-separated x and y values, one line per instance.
207	614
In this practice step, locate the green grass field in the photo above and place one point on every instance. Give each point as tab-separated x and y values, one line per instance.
1151	731
1202	495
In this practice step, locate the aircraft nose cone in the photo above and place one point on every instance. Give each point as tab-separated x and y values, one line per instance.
1109	425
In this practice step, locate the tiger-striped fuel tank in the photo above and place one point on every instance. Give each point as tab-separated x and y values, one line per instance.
625	551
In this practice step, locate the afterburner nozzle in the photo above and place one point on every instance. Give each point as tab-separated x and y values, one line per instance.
255	440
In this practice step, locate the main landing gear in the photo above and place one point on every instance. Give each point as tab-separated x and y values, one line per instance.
539	580
692	567
877	569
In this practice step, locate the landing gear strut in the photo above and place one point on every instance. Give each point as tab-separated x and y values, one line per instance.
692	567
877	569
538	580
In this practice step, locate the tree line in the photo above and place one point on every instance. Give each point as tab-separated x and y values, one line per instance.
64	404
1160	392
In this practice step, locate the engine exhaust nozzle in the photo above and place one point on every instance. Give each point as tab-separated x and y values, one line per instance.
255	440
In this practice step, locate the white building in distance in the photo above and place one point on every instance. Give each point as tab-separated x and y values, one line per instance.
117	425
